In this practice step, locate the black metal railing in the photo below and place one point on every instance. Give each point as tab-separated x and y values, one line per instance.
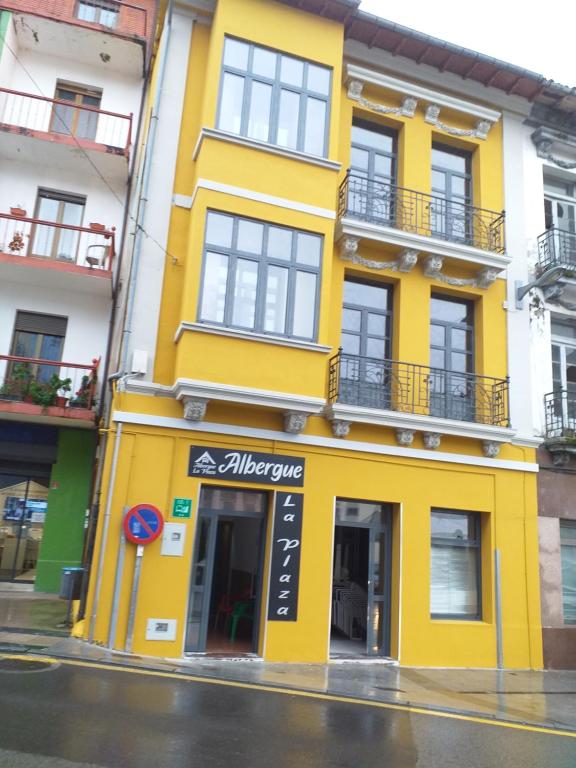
557	248
381	202
560	413
409	388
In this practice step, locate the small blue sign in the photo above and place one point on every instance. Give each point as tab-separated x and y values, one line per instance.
143	524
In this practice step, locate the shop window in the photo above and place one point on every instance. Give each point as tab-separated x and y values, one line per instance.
568	556
260	277
455	565
104	12
271	97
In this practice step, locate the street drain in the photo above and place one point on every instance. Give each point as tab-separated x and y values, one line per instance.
25	665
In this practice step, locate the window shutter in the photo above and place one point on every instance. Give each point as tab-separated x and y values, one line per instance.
32	322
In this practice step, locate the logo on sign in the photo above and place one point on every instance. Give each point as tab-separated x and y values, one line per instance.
204	465
244	465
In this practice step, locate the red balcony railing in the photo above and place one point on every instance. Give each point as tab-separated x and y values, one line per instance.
83	246
48	383
88	126
115	16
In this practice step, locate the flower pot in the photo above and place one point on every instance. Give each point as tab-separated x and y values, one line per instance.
28	399
97	227
60	402
18	211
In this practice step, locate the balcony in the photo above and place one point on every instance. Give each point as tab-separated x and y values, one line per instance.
557	248
48	391
560	424
29	122
75	258
407	219
128	28
409	396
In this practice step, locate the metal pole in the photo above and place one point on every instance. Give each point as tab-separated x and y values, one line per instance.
498	596
117	588
134	598
105	526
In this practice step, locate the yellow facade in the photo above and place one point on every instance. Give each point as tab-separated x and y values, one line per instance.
369	464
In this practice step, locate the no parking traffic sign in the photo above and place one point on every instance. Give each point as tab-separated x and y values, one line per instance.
143	524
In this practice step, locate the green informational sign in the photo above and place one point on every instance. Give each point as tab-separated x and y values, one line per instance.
182	508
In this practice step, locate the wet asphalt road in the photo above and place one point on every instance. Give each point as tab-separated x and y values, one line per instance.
72	716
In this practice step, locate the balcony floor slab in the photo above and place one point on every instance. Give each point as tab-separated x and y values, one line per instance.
80	418
49	273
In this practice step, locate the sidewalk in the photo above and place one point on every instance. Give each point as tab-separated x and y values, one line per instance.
546	699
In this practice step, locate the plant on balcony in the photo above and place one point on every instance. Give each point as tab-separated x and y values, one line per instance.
21	380
85	393
17	243
51	392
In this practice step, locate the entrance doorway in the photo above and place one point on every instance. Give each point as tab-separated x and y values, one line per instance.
23	507
226	583
361	581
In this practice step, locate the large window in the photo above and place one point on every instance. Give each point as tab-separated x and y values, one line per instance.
274	98
455	565
38	337
568	555
59	243
260	277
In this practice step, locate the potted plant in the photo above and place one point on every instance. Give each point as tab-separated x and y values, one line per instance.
21	378
83	393
17	243
9	391
18	211
96	227
46	393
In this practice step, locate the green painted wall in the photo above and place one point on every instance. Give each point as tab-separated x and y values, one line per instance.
4	19
67	503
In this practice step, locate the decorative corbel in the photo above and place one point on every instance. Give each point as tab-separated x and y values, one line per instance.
340	428
480	131
490	449
194	408
431	440
295	422
405	262
405	436
486	277
349	248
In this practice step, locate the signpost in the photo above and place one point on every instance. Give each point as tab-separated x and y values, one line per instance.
142	525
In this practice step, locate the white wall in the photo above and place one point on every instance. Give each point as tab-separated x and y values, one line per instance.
6	57
523	190
88	316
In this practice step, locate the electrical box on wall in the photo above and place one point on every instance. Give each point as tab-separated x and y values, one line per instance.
161	629
173	538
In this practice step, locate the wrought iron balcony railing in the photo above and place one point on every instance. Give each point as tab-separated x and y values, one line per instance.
43	117
379	202
560	414
557	248
83	246
117	16
48	383
417	389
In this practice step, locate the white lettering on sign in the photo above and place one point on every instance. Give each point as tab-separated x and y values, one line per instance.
290	543
282	611
285	577
244	464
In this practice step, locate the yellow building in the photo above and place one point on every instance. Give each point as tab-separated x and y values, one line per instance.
315	390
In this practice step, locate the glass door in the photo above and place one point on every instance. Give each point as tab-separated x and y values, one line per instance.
372	172
450	210
365	367
564	372
226	581
23	507
361	587
57	242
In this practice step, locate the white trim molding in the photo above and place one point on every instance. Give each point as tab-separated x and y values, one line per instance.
210	390
261	197
421	93
235	431
234	333
414	422
272	149
380	233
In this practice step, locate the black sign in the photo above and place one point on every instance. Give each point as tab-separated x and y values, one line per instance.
285	565
227	464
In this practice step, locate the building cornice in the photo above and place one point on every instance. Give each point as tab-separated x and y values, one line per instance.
300	440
